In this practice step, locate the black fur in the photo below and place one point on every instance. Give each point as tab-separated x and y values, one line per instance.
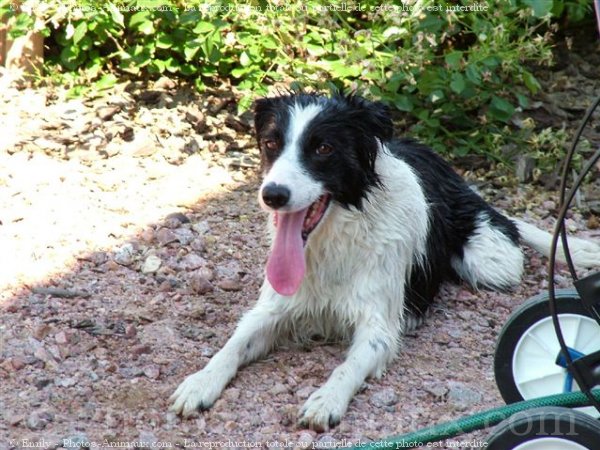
454	208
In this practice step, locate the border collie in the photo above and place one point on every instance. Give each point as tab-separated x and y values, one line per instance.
365	229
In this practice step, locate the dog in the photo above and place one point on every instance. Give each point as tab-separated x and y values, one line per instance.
365	229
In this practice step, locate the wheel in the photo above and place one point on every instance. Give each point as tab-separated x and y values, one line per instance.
525	360
548	428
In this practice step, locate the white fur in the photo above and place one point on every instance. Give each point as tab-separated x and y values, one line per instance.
369	311
287	170
490	258
584	253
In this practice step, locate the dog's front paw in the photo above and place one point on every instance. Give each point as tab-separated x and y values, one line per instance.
323	410
198	392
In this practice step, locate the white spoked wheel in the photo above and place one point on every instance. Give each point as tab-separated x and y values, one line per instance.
549	428
525	362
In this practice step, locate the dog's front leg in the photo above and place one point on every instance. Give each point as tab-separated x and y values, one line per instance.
253	338
374	344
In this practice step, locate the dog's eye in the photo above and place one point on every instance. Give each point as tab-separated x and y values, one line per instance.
324	150
270	145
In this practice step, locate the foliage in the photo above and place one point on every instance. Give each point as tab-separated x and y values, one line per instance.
459	76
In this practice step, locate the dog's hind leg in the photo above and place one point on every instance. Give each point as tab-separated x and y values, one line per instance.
375	343
491	257
254	337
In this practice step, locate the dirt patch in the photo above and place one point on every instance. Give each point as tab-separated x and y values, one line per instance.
132	244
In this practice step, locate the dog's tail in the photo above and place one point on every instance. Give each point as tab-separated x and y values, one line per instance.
584	253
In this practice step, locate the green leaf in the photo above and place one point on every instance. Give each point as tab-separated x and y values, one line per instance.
188	70
116	15
157	66
530	82
139	18
146	28
458	83
473	74
80	31
403	103
190	50
172	65
523	100
204	27
540	7
340	68
436	96
453	59
501	109
190	17
107	81
164	41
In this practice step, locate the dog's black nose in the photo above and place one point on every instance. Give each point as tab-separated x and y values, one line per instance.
275	195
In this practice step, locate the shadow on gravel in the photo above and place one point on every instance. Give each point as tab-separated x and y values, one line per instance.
99	348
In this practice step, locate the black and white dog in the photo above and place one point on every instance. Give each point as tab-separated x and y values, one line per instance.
366	228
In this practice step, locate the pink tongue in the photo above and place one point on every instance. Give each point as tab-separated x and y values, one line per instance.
286	265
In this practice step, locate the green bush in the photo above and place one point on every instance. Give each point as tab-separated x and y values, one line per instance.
458	75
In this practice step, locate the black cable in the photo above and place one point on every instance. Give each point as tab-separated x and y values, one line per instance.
560	229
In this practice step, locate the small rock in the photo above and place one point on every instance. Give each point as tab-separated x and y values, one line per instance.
386	397
130	330
461	396
42	354
107	112
41	383
75	442
196	119
184	236
438	390
191	261
18	363
279	388
201	227
166	236
147	235
152	371
141	349
41	331
198	244
165	83
38	420
230	284
66	382
151	264
304	441
174	220
61	337
15	420
200	284
326	442
305	392
124	255
207	352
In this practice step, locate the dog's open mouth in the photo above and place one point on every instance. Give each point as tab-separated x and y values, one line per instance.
313	216
286	265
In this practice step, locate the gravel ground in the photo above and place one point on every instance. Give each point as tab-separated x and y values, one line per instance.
131	245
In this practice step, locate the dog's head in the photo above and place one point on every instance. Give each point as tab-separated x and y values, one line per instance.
315	150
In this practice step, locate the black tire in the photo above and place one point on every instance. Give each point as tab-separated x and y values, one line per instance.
527	315
559	425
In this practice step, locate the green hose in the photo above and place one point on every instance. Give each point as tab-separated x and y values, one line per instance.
479	421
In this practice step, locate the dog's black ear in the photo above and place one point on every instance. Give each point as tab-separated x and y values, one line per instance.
374	117
265	112
381	120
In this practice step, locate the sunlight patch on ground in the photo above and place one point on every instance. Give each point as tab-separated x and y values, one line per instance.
54	210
